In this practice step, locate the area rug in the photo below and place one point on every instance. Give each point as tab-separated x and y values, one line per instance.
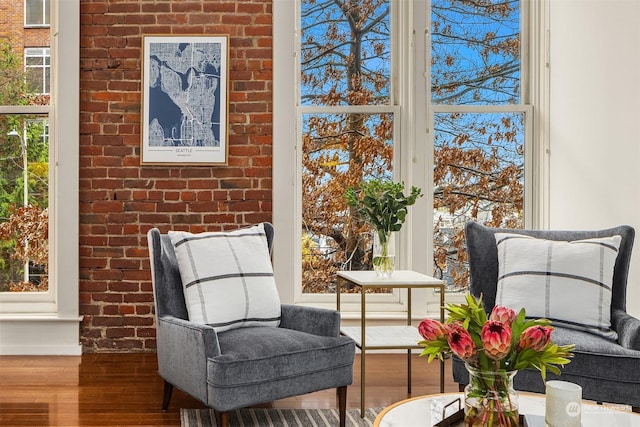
263	417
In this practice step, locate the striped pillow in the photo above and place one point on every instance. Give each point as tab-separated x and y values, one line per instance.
568	283
227	278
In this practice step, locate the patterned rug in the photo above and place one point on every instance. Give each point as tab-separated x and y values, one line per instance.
260	417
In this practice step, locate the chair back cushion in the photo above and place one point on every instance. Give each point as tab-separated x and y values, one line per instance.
227	278
568	282
483	258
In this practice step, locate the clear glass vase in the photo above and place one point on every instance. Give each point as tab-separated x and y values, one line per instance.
490	399
384	253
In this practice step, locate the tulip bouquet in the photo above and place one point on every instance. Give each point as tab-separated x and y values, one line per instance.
494	348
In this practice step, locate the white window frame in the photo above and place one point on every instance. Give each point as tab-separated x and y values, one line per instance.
416	148
393	302
48	322
288	207
45	54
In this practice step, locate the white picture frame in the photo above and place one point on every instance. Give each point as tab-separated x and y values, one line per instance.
184	116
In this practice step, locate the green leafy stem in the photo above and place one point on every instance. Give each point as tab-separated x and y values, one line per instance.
383	204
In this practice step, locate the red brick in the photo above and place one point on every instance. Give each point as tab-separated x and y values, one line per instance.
145	332
186	6
219	6
156	7
140	321
151	344
129	264
203	184
138	298
126	8
120	332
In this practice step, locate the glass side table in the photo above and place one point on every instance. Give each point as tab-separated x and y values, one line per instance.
387	337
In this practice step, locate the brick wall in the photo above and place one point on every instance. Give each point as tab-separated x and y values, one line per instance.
12	20
120	199
12	28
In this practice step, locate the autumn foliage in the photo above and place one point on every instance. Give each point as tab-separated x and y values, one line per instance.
28	229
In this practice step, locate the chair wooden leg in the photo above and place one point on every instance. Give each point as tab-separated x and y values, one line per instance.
461	387
223	418
166	396
342	405
635	409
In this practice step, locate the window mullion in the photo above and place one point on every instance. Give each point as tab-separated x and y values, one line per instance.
25	109
348	109
480	108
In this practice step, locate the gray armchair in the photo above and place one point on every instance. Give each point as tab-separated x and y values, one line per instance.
245	366
607	370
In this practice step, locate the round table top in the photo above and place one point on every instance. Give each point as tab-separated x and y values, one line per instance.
427	410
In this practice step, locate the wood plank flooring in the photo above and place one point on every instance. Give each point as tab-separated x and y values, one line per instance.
108	389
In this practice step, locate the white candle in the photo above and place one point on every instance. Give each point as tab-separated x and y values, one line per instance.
563	404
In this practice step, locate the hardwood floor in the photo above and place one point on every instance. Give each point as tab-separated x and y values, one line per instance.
110	389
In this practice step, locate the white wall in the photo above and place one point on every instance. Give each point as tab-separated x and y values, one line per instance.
595	119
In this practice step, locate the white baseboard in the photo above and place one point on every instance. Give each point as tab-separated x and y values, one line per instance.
39	350
40	335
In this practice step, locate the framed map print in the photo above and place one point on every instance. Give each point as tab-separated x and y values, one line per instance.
184	100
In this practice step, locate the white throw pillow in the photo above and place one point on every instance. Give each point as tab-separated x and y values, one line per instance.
227	278
568	283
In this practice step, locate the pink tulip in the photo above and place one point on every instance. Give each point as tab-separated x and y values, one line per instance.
431	330
535	338
496	339
503	314
460	341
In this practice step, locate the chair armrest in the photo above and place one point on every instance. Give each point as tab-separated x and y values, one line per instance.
316	321
628	329
183	348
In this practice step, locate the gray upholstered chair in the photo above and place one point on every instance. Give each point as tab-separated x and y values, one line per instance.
245	366
607	370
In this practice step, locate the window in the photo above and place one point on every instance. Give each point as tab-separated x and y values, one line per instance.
24	189
347	130
37	64
480	124
24	213
438	92
45	321
36	13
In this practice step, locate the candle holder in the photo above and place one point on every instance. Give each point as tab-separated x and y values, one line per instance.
563	404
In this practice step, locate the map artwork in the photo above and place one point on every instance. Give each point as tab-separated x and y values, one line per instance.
185	99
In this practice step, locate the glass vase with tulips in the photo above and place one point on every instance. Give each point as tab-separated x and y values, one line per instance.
494	348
